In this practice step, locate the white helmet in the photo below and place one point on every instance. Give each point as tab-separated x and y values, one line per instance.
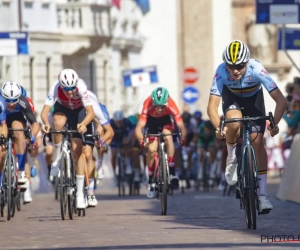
236	53
68	78
118	115
11	90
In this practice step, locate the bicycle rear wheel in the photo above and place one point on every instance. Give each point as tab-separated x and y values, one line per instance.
163	184
250	200
62	187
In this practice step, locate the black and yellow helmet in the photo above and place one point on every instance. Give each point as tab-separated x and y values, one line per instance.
236	53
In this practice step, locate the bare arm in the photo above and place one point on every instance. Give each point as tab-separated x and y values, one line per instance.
281	104
139	130
212	110
44	114
182	128
90	115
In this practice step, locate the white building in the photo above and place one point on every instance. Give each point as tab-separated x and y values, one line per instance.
94	38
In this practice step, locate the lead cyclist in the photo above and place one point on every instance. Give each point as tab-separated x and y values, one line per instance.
238	82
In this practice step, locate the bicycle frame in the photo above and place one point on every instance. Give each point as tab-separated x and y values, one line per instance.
247	183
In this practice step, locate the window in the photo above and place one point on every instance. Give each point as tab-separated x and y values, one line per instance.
31	77
48	60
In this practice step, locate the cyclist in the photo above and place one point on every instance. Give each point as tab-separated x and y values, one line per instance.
156	115
135	150
238	81
191	133
122	128
73	103
3	131
18	112
106	132
104	147
198	117
206	141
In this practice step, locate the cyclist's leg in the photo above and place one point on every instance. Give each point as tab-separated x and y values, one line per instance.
170	153
152	150
262	165
60	114
201	149
18	122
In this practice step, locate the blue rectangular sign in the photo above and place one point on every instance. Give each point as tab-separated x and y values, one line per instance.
140	76
278	11
22	40
292	39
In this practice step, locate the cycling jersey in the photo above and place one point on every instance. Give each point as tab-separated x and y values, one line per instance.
98	111
24	107
120	132
104	111
2	110
81	97
248	85
204	138
149	110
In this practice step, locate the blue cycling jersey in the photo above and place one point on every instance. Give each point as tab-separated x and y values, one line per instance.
105	113
248	85
2	110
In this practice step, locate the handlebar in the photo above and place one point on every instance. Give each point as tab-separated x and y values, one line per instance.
66	132
246	120
163	135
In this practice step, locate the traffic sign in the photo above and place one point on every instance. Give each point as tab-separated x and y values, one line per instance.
190	95
190	75
278	11
291	38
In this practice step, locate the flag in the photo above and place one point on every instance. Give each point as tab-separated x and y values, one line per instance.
144	5
116	3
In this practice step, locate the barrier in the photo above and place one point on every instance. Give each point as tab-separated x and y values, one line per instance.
290	185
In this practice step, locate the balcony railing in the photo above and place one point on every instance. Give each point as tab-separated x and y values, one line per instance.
85	19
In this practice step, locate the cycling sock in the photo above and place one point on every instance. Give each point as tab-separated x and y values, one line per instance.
21	161
262	176
171	162
91	186
100	159
231	150
150	173
80	185
56	151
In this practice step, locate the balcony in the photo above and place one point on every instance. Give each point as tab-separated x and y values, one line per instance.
76	18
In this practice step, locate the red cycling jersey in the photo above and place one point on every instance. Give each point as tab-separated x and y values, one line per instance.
149	110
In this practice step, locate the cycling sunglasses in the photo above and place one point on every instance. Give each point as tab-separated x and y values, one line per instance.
12	101
238	67
160	106
69	88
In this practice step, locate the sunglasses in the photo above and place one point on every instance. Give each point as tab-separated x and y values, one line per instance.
12	101
160	106
238	67
69	88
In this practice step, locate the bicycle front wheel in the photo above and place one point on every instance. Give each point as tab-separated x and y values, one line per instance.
250	190
63	187
163	184
9	198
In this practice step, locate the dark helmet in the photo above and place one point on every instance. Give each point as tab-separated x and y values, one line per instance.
186	117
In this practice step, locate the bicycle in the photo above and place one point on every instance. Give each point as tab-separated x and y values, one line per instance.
10	191
66	178
203	172
247	184
161	173
123	177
